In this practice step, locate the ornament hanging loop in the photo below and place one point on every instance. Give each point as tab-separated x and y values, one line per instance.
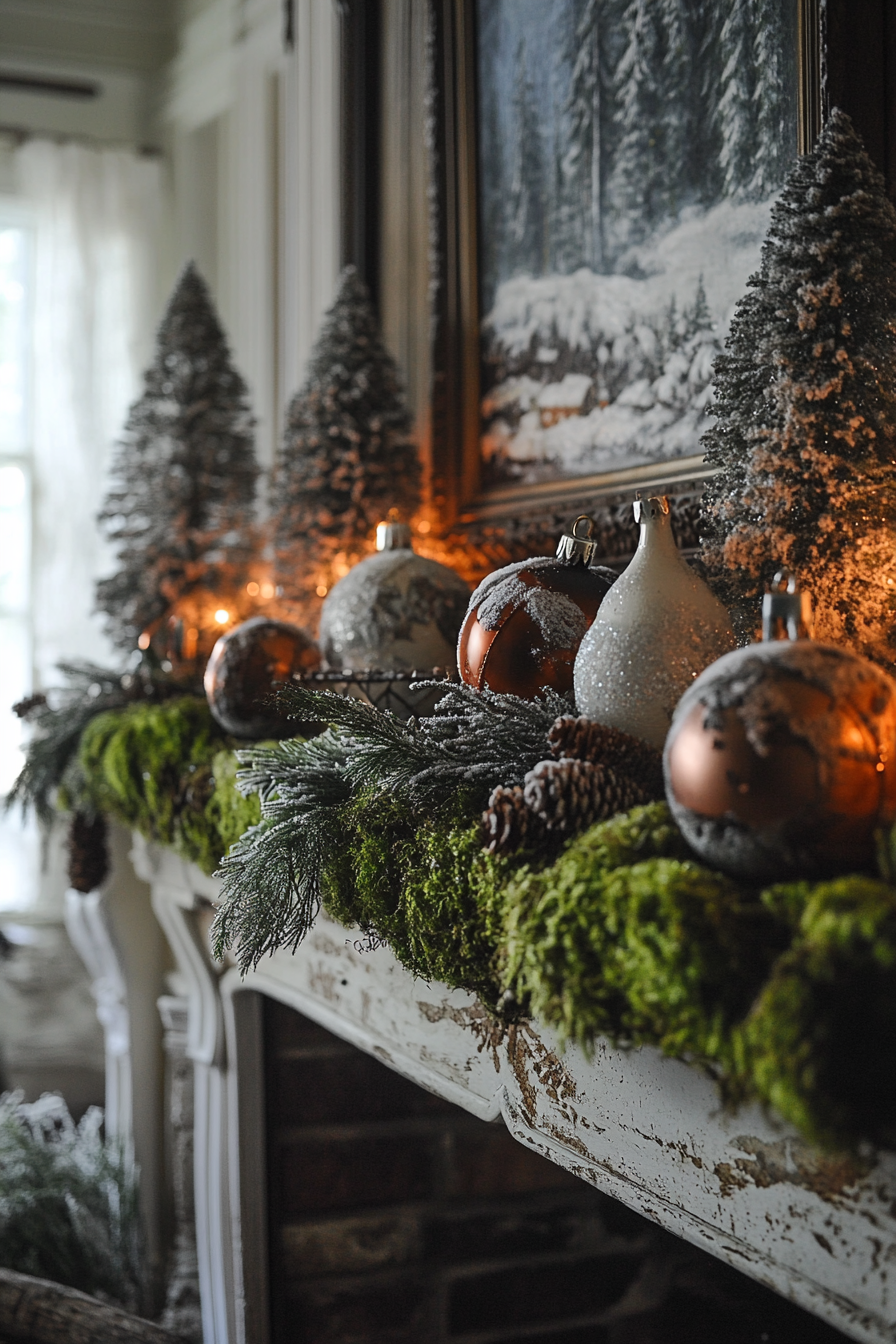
786	610
573	548
650	508
394	534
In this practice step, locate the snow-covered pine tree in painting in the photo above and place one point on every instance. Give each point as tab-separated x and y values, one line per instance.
526	222
629	154
805	430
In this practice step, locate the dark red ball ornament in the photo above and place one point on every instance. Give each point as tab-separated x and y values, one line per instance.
781	758
245	669
525	622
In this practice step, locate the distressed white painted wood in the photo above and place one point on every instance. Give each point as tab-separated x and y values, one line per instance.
647	1130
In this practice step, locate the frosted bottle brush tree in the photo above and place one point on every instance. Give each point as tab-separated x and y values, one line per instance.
805	407
180	503
346	456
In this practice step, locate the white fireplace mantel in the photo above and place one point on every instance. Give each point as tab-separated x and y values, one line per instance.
647	1130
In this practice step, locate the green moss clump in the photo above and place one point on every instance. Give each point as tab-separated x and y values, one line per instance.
820	1043
167	771
452	904
425	887
227	813
653	950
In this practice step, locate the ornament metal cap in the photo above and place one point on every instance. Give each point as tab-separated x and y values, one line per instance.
573	549
786	611
393	534
649	508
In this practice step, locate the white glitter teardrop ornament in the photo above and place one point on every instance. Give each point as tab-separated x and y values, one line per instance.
655	631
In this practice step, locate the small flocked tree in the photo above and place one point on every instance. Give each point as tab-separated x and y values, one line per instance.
180	503
805	406
346	456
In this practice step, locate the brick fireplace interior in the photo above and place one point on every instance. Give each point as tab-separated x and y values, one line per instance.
397	1218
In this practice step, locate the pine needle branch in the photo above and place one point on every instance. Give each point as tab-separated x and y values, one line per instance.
273	877
59	718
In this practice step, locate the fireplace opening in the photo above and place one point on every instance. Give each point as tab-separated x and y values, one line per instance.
397	1218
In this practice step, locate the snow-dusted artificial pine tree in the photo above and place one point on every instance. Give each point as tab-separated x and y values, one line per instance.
805	406
346	456
180	501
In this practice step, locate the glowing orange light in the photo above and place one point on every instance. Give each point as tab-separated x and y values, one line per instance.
267	590
222	616
424	527
252	589
143	641
321	590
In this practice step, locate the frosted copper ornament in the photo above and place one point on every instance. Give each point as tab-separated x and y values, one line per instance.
525	622
396	610
655	632
246	667
781	759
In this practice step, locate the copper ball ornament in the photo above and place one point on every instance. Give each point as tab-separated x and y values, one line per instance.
525	622
246	667
781	761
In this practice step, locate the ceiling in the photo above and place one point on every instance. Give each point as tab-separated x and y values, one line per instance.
135	35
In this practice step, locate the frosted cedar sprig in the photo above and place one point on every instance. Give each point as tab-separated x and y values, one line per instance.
472	740
272	878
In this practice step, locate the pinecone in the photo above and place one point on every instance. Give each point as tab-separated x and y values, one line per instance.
586	740
88	855
509	823
571	795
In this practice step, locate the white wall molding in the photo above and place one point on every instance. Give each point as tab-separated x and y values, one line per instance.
273	189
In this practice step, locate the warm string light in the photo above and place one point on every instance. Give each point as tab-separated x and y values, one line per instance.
222	616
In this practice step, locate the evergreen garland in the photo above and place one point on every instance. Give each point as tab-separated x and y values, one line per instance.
786	995
60	717
179	507
805	406
346	456
276	876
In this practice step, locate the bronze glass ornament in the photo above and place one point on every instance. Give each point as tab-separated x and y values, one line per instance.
395	611
525	622
781	758
245	669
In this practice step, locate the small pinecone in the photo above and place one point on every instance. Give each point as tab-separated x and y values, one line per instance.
571	795
508	822
88	855
587	740
23	708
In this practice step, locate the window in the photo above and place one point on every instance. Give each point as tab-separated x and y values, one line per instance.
18	841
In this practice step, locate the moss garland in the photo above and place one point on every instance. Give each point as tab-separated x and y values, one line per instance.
788	995
169	772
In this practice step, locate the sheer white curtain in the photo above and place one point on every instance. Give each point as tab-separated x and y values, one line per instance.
97	217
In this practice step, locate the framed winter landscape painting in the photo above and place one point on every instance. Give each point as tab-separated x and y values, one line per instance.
591	182
628	154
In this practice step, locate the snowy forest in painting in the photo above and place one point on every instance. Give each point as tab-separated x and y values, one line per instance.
629	152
